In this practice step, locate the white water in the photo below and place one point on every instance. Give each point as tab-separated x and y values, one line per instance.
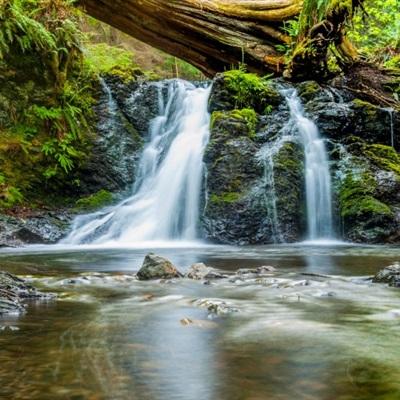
166	197
317	176
391	111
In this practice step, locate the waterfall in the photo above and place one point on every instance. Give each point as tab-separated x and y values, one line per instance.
390	112
317	176
266	157
165	199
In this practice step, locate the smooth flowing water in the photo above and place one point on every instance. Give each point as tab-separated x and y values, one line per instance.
317	176
313	330
166	197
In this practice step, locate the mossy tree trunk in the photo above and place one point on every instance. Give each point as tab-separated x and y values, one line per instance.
216	34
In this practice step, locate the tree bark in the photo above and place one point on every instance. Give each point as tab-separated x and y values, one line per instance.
212	35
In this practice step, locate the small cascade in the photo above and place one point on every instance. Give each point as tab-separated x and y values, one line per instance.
266	156
391	112
317	176
166	195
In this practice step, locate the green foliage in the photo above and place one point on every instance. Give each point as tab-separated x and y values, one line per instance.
47	97
109	60
378	29
292	29
95	201
313	11
176	68
18	27
247	89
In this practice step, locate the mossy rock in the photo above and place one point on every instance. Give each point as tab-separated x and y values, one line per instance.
289	187
236	122
238	89
94	202
308	90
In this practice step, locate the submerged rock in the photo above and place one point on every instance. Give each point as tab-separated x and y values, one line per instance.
157	267
14	291
389	275
200	271
216	306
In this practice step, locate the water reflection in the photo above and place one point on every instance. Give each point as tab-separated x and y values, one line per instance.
296	336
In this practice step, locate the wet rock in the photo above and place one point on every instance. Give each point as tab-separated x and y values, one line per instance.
389	275
216	306
259	270
200	271
157	267
37	227
15	291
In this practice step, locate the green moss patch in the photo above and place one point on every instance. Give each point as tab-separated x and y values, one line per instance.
109	60
95	201
246	115
250	90
357	199
225	198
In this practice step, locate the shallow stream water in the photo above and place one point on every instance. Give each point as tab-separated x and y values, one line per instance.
314	329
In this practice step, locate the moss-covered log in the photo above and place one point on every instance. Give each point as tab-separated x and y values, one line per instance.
215	34
211	34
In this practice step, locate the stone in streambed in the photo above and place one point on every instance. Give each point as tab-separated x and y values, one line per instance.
389	275
14	291
157	267
200	271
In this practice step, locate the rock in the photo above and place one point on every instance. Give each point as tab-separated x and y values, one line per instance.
37	227
200	271
14	291
157	267
389	275
254	272
367	183
216	306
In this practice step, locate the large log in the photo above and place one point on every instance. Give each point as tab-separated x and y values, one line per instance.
212	35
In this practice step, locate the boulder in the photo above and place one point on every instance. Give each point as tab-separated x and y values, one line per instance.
157	267
200	271
389	275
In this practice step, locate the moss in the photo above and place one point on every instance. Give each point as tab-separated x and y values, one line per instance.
384	157
104	59
246	115
95	201
225	198
308	89
250	90
365	107
356	196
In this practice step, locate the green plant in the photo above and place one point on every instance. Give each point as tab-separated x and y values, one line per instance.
246	88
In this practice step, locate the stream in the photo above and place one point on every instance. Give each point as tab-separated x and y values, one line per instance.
314	329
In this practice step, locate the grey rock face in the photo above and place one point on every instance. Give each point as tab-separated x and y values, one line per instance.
157	267
42	227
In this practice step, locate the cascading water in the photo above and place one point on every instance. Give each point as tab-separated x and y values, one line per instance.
166	195
317	176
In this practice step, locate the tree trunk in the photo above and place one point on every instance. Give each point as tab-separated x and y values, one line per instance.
212	35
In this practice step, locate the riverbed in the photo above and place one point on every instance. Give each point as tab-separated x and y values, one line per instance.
316	328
